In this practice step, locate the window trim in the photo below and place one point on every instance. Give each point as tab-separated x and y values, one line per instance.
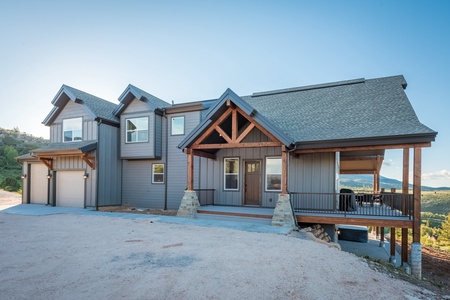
171	125
265	173
225	174
163	173
63	131
137	130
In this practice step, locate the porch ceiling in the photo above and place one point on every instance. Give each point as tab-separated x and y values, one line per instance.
361	162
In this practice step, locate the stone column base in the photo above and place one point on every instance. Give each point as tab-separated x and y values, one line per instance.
283	214
416	260
189	204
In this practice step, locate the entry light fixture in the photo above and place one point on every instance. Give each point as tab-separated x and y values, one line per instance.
24	176
49	176
85	175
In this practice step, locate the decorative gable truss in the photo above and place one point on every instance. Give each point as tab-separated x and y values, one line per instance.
230	131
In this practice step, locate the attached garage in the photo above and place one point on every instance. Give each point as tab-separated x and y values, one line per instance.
70	188
38	184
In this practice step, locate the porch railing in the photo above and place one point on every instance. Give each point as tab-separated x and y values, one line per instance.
205	196
354	204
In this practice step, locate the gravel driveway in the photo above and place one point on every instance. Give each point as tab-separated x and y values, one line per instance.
70	256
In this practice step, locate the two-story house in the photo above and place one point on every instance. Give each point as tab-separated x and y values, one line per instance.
274	155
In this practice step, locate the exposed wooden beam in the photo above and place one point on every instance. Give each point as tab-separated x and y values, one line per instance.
392	242
235	145
262	129
405	245
417	182
357	158
204	154
223	134
284	154
213	126
245	132
48	162
90	160
343	149
356	171
405	175
234	125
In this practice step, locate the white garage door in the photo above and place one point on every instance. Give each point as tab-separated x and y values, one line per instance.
38	184
70	188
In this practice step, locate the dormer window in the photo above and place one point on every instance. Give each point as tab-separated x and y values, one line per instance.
137	130
73	130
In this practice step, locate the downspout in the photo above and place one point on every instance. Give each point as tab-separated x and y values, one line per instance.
166	164
96	165
49	177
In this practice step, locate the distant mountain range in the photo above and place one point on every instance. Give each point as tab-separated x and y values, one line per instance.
366	181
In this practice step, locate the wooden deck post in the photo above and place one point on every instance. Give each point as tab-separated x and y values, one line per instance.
392	248
405	191
381	236
284	168
417	182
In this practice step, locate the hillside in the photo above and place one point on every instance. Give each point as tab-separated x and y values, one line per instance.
14	143
366	181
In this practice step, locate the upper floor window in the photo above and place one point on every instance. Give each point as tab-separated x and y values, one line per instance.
177	125
73	130
137	130
273	174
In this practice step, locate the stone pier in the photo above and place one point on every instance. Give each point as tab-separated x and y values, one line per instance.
189	205
283	214
416	260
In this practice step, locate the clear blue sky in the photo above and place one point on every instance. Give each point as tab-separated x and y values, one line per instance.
193	50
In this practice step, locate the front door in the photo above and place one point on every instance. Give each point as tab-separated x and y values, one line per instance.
252	184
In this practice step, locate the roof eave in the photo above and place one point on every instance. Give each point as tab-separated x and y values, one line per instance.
368	141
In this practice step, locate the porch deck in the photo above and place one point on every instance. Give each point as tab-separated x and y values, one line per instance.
259	214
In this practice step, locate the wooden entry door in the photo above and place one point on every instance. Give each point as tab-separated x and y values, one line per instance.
252	183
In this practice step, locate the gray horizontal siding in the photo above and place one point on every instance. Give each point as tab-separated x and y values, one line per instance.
137	187
177	161
137	150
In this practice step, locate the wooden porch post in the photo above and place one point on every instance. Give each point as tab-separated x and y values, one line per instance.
417	182
405	191
284	155
190	165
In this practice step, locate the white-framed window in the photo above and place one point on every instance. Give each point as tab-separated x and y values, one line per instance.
273	173
177	125
231	174
137	130
73	130
158	173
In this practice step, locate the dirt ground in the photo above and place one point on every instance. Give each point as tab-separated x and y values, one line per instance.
102	257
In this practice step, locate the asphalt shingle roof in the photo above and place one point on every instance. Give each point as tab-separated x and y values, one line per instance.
101	108
155	101
83	146
342	110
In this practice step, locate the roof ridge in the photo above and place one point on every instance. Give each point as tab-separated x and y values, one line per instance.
309	87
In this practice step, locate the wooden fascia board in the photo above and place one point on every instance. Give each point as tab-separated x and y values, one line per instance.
237	145
354	221
350	148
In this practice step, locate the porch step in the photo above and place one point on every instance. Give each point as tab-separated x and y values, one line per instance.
233	218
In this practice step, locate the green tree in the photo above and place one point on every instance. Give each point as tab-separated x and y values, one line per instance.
444	237
10	155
